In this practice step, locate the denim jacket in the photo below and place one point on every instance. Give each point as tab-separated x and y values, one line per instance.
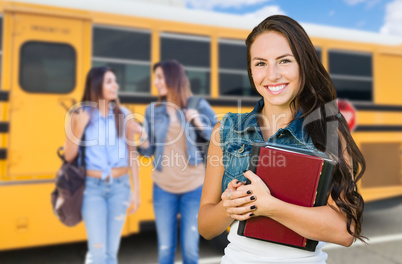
239	131
157	124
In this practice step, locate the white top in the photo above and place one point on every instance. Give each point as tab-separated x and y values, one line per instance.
243	250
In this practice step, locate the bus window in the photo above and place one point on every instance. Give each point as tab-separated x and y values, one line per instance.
128	53
233	78
194	53
47	67
352	74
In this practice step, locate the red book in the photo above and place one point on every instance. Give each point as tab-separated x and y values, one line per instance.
294	175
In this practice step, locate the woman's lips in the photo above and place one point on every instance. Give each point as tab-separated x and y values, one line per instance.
276	89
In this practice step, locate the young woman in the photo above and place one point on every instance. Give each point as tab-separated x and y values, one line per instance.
107	188
170	136
298	109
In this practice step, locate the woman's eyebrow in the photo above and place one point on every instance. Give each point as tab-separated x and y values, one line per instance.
256	58
284	55
280	57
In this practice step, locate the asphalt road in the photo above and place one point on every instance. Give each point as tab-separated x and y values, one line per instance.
382	224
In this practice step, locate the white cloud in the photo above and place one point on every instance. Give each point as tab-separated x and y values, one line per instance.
393	19
372	3
211	4
266	12
369	3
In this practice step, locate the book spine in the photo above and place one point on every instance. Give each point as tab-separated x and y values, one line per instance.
324	183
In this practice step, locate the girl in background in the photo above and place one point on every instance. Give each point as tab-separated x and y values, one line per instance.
170	136
107	188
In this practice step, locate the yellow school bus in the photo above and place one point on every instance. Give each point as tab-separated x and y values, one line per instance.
47	47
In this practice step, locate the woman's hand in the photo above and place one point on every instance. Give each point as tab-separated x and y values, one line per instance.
237	201
134	202
80	119
134	127
192	115
78	122
263	203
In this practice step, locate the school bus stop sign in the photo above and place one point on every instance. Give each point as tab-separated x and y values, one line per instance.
349	112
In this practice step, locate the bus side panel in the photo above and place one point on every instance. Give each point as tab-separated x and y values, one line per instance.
383	154
29	219
145	212
387	68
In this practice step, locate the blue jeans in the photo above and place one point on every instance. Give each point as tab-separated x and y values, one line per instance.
104	212
167	206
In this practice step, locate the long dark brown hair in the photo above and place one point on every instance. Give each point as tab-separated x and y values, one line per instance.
176	82
94	92
316	97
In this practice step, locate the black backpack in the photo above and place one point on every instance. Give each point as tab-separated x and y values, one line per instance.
69	191
201	143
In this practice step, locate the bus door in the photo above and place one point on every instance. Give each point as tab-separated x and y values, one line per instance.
50	55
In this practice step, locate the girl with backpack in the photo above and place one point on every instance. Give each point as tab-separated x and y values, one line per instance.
169	136
107	128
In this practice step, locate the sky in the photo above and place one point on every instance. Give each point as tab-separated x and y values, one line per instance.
381	16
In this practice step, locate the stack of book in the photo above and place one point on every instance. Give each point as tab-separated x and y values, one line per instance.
293	175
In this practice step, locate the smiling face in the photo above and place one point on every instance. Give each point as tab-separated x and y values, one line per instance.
274	69
110	86
159	82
